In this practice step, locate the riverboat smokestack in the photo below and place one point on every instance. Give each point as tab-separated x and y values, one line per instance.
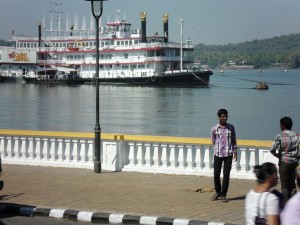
166	27
143	16
40	34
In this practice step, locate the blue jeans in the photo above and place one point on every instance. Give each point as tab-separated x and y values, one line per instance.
218	161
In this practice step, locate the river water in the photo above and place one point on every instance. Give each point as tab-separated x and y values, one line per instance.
188	112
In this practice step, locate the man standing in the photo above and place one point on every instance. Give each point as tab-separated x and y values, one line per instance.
286	148
224	141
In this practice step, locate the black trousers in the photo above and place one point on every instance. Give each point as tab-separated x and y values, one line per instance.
218	162
287	179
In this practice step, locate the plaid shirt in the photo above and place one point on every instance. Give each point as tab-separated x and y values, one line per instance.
224	140
286	146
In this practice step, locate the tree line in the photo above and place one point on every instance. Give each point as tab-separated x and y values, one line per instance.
283	51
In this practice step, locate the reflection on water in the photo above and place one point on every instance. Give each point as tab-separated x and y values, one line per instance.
187	112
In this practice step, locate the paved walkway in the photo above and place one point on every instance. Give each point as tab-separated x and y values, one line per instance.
141	194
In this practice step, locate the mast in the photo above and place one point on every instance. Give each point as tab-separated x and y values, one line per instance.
181	37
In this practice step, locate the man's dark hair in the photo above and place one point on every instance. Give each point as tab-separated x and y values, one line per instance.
286	122
222	111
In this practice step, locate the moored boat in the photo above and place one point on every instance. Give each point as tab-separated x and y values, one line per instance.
59	75
126	56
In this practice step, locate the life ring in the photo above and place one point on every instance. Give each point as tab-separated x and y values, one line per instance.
153	78
39	78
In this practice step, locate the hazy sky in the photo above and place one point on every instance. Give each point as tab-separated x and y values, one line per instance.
205	21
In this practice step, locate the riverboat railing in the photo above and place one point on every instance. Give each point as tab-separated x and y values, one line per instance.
121	152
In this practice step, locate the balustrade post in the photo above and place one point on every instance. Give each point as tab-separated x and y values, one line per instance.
190	160
37	141
164	155
23	148
131	156
68	150
139	161
173	159
31	148
9	147
75	150
156	157
181	157
148	155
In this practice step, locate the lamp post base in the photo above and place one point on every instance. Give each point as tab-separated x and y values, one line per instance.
97	167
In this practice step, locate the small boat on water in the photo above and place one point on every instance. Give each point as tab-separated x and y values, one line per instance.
59	75
126	56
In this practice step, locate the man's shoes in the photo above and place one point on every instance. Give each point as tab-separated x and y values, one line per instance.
215	197
224	199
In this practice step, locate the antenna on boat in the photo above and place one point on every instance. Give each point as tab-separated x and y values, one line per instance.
181	37
57	14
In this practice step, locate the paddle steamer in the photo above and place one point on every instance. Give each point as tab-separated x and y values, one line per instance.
127	56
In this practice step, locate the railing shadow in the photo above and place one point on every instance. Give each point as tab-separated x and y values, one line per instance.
8	210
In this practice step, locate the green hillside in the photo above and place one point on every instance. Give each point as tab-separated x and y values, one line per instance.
283	51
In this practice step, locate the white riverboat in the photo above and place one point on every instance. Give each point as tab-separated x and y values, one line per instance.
126	56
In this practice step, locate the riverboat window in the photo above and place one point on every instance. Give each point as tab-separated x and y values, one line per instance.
136	42
124	66
118	43
126	55
122	43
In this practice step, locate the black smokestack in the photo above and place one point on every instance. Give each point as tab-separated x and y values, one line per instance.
40	34
143	25
166	27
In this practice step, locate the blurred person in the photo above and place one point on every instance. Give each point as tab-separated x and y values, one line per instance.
291	212
286	148
225	146
261	205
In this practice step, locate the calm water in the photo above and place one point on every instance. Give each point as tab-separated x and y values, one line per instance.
187	112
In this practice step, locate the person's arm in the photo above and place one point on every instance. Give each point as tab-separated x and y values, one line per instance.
275	148
234	144
273	220
213	136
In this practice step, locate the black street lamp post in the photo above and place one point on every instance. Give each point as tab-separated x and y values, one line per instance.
97	8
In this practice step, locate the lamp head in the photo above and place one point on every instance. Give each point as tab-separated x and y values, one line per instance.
97	7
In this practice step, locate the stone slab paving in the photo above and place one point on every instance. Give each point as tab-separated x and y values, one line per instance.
140	194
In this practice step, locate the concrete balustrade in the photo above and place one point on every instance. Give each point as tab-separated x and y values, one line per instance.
151	154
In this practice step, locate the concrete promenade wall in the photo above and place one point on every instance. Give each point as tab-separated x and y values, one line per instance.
121	152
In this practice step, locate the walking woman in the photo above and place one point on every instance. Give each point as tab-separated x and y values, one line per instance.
261	205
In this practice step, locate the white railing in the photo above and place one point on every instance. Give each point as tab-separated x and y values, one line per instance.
169	155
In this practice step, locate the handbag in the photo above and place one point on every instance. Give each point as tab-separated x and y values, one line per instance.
259	220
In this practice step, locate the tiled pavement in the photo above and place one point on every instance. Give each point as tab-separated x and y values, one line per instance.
65	192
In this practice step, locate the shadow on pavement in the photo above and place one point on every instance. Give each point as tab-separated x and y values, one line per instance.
238	198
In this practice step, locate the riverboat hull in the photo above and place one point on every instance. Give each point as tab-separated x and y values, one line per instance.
182	79
9	79
31	80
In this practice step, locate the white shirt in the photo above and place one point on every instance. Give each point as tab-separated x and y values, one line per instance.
268	205
291	212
